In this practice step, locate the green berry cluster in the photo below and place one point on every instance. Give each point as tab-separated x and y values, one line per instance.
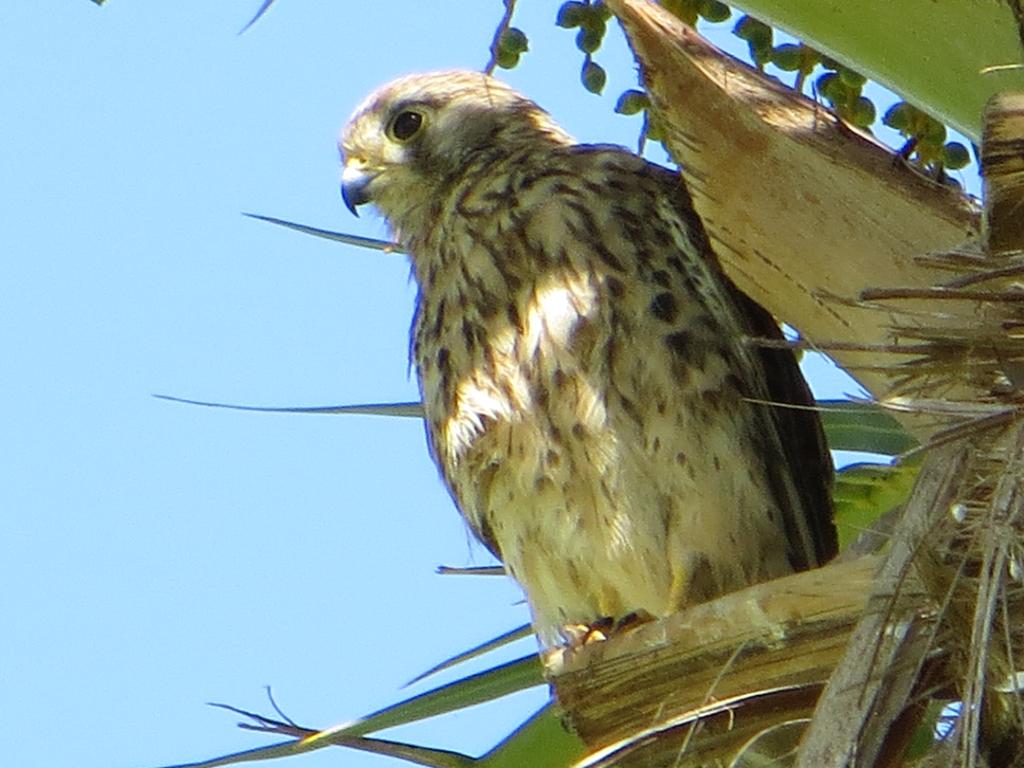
839	86
591	19
760	38
926	144
690	11
842	88
633	102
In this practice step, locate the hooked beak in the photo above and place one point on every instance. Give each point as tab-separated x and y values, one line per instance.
355	183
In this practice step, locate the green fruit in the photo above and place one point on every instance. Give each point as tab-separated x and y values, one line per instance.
588	40
955	155
898	116
788	57
593	77
831	87
850	78
862	113
507	59
684	10
632	102
571	14
513	40
714	11
933	131
753	31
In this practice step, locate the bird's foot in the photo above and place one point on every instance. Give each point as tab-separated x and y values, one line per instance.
579	635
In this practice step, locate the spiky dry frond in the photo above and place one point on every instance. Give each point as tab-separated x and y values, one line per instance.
894	275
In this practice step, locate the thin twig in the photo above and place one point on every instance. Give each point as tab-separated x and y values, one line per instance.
870	294
709	697
503	26
974	278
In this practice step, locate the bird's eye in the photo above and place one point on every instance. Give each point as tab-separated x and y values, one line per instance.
406	125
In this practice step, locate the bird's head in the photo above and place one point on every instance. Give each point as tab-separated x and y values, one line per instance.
410	140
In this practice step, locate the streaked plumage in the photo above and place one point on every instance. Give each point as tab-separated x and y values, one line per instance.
591	399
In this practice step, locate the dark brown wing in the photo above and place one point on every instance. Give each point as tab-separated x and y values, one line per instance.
806	454
805	458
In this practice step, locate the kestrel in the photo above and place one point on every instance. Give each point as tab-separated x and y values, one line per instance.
593	399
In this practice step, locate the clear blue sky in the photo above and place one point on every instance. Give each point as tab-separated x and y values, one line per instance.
156	556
